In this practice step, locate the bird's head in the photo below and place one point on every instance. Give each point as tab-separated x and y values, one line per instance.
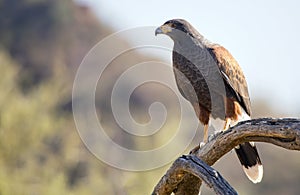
176	28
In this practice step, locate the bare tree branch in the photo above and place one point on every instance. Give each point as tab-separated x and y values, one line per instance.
193	165
281	132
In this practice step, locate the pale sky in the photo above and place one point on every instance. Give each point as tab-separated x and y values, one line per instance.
263	36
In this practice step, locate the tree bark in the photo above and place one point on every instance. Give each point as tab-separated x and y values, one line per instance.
182	180
199	170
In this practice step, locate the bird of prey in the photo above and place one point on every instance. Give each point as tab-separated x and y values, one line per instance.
210	78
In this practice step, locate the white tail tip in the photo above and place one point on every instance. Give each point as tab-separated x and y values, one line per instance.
255	173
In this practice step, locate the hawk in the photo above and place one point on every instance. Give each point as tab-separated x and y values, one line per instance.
210	78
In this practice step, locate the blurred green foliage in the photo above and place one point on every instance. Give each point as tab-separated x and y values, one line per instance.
26	121
40	149
41	44
41	152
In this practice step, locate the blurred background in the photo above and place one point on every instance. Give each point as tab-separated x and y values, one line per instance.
42	43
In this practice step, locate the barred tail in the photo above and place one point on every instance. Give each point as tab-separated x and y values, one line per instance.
249	158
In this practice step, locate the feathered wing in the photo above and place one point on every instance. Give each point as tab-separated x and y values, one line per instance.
235	80
232	75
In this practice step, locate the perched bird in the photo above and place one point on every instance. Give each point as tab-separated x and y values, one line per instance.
210	78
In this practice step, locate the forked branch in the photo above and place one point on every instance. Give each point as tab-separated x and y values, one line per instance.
182	180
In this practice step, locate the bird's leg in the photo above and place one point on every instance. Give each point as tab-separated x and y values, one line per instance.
205	138
227	123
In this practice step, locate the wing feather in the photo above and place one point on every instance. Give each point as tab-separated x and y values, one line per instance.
232	75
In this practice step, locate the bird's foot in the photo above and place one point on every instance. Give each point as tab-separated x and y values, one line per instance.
201	144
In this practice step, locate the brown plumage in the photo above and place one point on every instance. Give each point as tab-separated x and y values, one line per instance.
232	75
210	78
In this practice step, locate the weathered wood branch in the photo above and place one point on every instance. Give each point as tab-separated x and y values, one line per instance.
194	166
281	132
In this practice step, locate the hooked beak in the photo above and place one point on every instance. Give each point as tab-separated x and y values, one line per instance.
164	29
